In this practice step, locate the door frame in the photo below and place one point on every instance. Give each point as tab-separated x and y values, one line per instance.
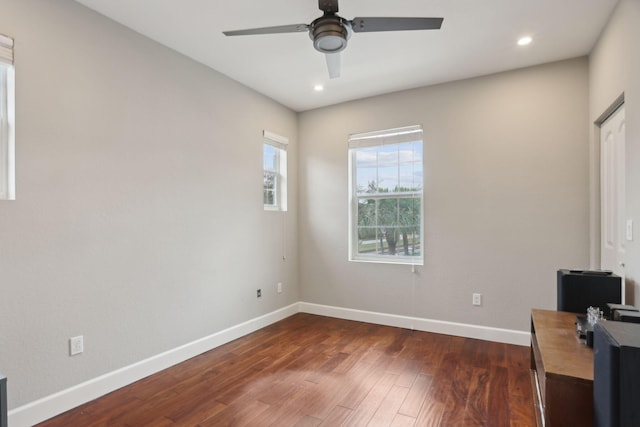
596	177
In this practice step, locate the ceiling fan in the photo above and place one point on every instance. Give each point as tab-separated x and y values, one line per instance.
330	32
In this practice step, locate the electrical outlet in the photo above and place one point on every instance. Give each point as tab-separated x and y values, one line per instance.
477	299
279	287
259	293
76	345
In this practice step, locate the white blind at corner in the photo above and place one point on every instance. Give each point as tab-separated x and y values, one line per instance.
276	140
6	49
385	137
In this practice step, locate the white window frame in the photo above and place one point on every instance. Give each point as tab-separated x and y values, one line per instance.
278	172
378	139
7	119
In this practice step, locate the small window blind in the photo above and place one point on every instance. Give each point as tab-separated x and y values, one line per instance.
6	49
276	140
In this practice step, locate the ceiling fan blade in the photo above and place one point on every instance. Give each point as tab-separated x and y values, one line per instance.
333	64
295	28
328	6
367	25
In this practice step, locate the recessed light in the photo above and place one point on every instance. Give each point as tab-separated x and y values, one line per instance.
318	88
523	41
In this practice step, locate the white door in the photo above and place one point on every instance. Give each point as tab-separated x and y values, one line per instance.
612	194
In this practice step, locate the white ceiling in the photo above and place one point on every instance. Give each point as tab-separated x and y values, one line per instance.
478	37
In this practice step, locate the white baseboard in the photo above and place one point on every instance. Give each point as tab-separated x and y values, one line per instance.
50	406
486	333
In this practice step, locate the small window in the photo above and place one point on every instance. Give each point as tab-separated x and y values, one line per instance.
386	182
274	162
7	114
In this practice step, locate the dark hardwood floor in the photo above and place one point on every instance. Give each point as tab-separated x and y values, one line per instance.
316	371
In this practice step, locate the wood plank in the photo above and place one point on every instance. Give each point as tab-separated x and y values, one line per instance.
363	413
416	396
337	416
456	402
498	413
431	414
478	401
403	421
308	421
362	378
388	408
242	415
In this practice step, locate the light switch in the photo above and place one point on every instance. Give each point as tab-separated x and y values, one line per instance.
629	232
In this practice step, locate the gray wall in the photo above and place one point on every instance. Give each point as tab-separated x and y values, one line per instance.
614	68
138	221
506	197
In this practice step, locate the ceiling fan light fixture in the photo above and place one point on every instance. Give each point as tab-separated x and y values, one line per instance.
330	43
329	34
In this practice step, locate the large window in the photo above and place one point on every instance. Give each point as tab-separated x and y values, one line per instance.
274	162
386	183
7	91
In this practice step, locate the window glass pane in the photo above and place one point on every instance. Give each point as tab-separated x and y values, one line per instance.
410	167
390	222
367	240
417	152
269	189
366	180
367	212
270	157
367	157
387	155
409	225
387	212
379	245
269	197
410	177
388	179
409	152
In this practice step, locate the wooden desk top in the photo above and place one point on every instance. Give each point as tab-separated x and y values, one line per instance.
562	352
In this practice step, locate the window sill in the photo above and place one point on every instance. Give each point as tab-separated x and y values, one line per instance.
273	209
388	260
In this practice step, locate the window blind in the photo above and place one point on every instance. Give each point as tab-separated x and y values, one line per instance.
385	137
277	141
6	49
